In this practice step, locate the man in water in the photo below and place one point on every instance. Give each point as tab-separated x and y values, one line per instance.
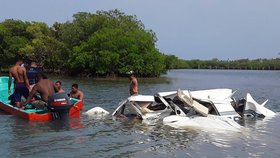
75	93
44	87
21	83
133	87
58	88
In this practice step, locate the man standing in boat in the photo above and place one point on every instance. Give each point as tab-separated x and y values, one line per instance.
21	82
32	72
133	87
75	93
133	90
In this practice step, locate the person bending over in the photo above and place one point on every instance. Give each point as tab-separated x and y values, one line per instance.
45	88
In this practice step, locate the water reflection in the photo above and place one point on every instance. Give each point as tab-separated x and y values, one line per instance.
29	137
3	113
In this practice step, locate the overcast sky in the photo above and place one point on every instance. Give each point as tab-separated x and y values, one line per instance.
189	29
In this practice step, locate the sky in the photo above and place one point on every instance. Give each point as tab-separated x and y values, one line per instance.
189	29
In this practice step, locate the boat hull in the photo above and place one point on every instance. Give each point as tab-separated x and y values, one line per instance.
31	114
39	115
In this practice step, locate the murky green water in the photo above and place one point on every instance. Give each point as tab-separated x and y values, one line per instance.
90	137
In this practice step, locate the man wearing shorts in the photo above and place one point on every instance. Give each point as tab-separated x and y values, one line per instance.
21	83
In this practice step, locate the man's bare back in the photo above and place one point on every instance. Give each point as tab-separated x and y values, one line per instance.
19	74
133	88
21	83
44	87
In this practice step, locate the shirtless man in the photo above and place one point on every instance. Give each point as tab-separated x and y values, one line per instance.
133	87
58	88
21	82
45	88
75	93
133	90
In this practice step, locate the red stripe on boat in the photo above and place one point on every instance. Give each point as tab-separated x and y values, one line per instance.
59	103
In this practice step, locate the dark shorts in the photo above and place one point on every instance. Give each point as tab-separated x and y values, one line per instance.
20	91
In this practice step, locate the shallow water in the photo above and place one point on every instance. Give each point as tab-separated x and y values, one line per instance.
91	137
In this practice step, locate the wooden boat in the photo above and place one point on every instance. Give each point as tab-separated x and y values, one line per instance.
32	114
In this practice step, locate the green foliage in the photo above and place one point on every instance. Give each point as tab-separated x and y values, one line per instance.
110	42
153	64
105	43
37	30
16	28
106	62
102	44
12	37
243	64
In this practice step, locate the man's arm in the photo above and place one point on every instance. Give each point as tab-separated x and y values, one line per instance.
30	96
10	82
81	96
26	81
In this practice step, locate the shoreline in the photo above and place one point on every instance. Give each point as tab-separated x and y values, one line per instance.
160	79
5	72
